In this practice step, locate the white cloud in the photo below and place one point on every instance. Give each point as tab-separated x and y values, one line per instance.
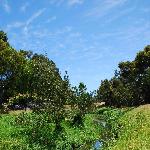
124	12
68	2
104	7
6	6
30	37
136	32
24	7
14	25
35	15
31	19
74	2
56	2
26	24
51	19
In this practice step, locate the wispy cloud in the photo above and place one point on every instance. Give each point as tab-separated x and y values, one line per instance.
26	24
123	13
24	7
6	6
35	15
33	40
103	7
67	2
31	19
13	25
134	33
51	19
45	33
74	2
56	2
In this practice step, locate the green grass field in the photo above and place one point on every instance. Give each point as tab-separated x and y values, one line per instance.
135	130
13	137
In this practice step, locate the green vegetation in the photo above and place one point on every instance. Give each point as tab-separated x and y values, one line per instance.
131	84
40	110
32	131
10	137
134	132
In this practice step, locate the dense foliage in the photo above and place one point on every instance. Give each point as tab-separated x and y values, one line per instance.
131	84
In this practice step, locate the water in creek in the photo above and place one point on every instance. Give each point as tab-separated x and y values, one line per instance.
97	145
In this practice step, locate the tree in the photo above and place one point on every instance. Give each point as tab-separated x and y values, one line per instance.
130	85
105	92
146	86
142	60
82	102
3	36
11	65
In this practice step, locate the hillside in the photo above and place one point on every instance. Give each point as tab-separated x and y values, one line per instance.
135	130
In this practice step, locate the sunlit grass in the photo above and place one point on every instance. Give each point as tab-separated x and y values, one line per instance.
135	130
12	137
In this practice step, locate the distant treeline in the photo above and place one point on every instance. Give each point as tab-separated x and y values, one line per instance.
32	80
130	85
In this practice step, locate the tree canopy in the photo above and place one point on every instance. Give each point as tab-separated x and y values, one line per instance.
130	86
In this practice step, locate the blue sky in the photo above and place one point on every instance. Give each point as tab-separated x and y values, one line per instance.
88	38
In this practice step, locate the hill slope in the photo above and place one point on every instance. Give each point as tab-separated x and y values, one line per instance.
135	130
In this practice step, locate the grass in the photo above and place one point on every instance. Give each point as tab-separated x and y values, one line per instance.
7	139
85	136
132	127
134	133
13	136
